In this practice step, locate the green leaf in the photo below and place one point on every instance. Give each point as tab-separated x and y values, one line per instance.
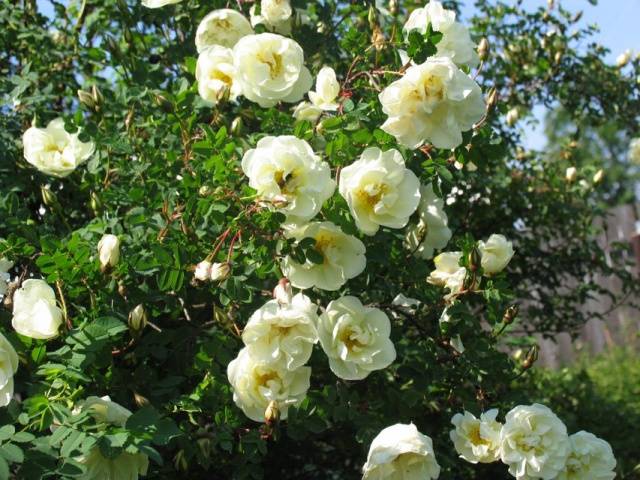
6	432
12	453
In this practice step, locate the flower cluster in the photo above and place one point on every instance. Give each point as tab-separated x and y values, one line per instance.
533	442
495	255
266	68
269	371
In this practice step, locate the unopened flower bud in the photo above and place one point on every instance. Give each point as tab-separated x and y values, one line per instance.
530	359
623	59
108	251
483	49
372	17
283	292
237	126
95	203
377	38
49	198
557	57
510	315
98	98
475	259
393	7
203	271
220	271
163	103
571	174
272	414
138	319
512	117
87	99
598	177
492	98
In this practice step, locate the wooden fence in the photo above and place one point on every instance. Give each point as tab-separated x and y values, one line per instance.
621	325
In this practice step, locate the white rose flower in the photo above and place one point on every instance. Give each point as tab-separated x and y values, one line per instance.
496	253
591	458
283	332
634	151
380	190
448	272
5	277
222	27
431	232
287	173
355	338
456	42
104	410
53	151
401	452
126	466
158	3
109	251
534	443
256	384
307	111
35	312
343	257
8	368
434	102
215	74
270	68
477	440
203	271
274	14
327	90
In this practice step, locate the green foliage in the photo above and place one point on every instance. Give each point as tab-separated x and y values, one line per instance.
166	179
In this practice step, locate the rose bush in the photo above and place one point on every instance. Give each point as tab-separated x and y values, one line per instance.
283	234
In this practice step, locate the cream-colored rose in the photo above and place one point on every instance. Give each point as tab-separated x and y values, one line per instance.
401	452
256	384
343	257
355	338
283	332
53	151
288	175
591	458
307	111
35	312
477	440
222	27
203	271
380	190
270	69
5	277
327	90
534	443
126	466
158	3
433	102
634	151
109	251
215	74
448	272
275	15
431	232
456	42
496	253
8	368
104	410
